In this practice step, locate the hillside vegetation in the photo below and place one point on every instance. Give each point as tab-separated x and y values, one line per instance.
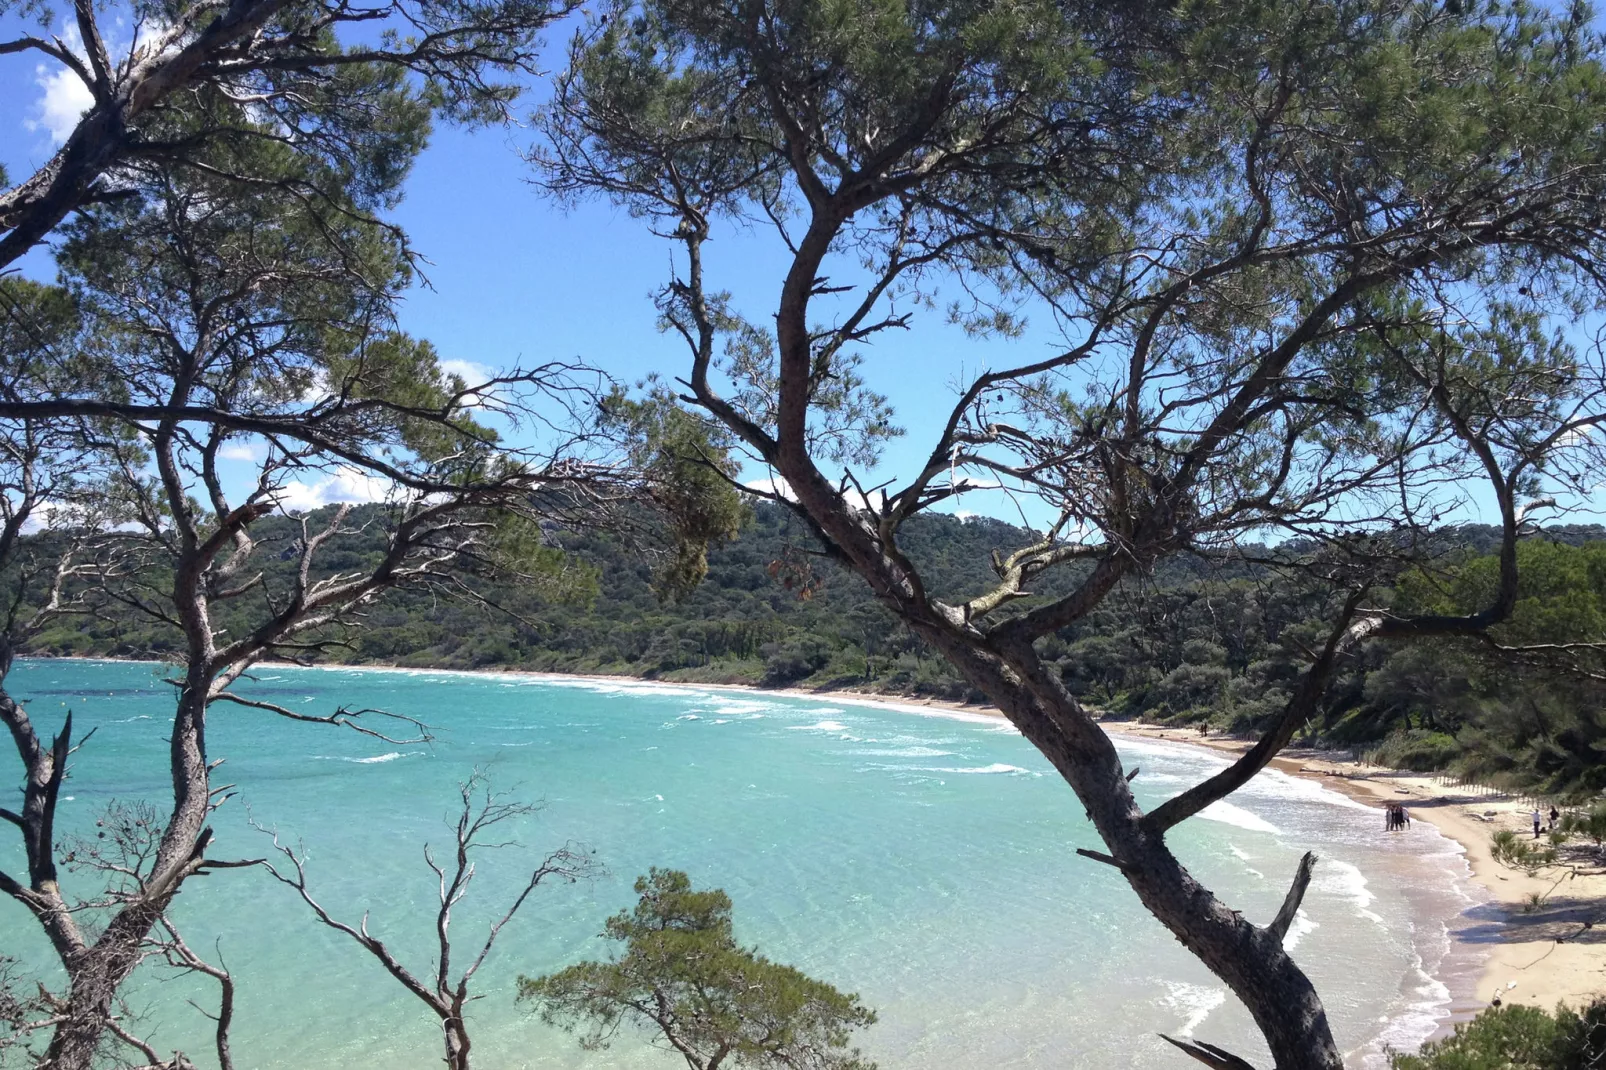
1196	641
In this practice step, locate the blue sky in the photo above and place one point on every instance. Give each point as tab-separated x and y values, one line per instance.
515	278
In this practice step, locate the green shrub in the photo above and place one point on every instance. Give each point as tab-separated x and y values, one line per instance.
1517	1038
1418	750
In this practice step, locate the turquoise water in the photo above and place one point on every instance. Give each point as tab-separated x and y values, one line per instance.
924	860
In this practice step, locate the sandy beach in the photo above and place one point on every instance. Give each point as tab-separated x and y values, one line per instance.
1537	954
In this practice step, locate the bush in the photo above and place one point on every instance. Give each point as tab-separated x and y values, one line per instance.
794	659
1418	750
1190	687
1517	1038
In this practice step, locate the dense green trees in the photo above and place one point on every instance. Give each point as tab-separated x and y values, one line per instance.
682	976
1195	642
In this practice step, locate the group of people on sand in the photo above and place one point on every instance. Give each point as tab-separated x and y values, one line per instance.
1395	819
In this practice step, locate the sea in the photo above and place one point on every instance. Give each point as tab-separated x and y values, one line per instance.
919	857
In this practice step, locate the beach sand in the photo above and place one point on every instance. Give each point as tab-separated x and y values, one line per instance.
1538	955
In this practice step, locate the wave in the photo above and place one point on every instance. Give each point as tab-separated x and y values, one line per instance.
734	707
1303	926
1194	1001
1281	785
1229	814
823	726
905	752
1426	1000
996	767
1342	880
375	760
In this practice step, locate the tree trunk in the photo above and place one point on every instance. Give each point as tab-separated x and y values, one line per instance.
455	1029
1248	958
97	972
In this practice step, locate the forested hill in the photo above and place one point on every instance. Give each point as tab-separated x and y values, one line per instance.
1191	643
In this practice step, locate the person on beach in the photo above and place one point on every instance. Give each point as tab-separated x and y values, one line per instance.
1555	816
1402	819
1538	821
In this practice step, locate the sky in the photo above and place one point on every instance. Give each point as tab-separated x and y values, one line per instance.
515	279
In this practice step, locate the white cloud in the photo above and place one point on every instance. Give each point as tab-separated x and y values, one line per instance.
240	451
471	373
65	97
772	485
474	375
64	100
777	485
343	485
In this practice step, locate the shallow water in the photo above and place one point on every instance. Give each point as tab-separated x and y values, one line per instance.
923	859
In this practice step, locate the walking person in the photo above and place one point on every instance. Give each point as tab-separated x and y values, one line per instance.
1555	816
1538	820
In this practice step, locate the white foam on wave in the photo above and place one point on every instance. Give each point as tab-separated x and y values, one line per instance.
1244	857
1303	926
997	722
375	760
1230	814
995	768
1342	880
1276	783
734	707
822	726
1426	999
614	686
1193	1002
904	752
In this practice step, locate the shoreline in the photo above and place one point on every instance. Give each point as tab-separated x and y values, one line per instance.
1523	961
1533	955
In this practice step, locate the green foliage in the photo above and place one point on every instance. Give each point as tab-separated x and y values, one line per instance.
681	975
684	460
1591	823
1195	642
1516	1037
1510	849
1419	749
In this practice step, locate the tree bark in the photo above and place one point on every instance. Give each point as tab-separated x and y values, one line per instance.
1248	958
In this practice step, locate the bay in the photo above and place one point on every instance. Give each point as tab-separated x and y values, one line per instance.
922	859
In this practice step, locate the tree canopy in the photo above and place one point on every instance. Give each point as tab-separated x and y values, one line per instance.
1315	268
681	975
